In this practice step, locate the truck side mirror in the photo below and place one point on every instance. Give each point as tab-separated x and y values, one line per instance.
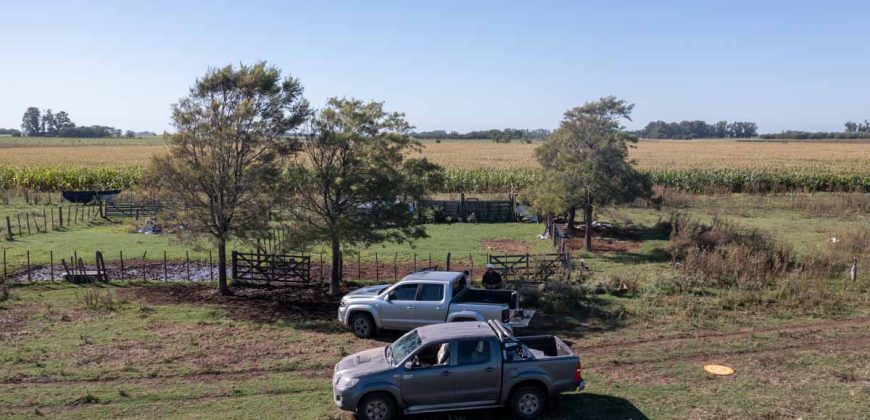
390	296
409	365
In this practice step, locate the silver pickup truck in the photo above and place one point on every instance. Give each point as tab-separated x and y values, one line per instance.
459	366
423	298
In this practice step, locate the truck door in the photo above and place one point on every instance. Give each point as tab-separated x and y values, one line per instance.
430	381
398	311
431	304
477	373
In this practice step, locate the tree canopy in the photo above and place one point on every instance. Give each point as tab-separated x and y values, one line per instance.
585	163
353	182
224	173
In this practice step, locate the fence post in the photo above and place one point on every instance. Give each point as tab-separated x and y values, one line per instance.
430	260
448	261
44	223
235	263
51	264
18	215
52	218
210	267
377	271
8	229
123	272
415	262
187	263
29	278
5	276
165	274
396	267
471	271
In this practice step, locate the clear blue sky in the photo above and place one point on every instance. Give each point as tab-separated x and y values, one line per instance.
459	65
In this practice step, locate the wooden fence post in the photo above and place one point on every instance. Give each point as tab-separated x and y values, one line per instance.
165	274
448	261
44	221
18	215
415	262
235	264
8	230
52	218
210	267
51	264
5	275
29	278
377	272
187	263
123	272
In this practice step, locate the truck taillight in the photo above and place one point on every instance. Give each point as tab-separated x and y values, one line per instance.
506	315
578	372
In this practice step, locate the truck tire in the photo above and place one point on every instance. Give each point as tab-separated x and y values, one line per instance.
362	325
376	406
528	402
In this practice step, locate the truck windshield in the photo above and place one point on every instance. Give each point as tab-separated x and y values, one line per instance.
402	347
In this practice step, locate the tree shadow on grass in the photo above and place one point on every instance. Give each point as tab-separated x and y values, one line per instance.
657	255
567	406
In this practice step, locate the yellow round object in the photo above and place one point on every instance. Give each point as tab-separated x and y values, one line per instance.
720	370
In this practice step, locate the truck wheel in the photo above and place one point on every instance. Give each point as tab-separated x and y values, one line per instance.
363	325
376	406
528	402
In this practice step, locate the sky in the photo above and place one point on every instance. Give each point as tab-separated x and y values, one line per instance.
454	65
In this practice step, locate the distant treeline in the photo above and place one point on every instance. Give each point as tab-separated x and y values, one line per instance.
698	130
36	123
853	131
10	132
499	136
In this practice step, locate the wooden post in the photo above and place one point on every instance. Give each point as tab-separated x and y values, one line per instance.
52	218
471	270
463	216
853	272
144	267
28	266
8	230
123	272
448	261
210	267
165	274
51	263
76	217
415	262
430	259
396	267
187	263
68	214
377	272
5	276
235	264
18	215
44	221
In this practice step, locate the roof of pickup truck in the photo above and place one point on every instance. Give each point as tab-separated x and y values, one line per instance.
452	330
435	276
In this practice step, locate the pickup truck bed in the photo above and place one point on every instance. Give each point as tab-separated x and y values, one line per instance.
500	297
546	346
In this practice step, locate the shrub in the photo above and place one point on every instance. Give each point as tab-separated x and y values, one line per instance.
96	299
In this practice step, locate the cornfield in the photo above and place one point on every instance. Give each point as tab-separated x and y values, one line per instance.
55	178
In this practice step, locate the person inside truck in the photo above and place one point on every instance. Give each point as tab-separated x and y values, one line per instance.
434	355
491	278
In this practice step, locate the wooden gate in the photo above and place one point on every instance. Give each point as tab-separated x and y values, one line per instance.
533	267
271	268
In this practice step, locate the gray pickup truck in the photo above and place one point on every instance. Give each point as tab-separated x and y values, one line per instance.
458	366
424	298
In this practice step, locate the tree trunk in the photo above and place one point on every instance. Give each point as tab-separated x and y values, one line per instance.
572	215
588	233
335	283
223	289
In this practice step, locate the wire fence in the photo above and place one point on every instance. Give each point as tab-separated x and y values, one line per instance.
24	266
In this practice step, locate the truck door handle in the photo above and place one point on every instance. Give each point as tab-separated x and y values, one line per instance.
437	308
410	307
489	369
445	373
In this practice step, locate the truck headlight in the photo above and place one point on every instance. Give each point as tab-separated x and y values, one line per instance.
345	382
343	302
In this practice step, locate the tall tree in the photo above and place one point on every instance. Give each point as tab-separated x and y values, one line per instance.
49	123
223	172
63	122
354	182
30	122
585	162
